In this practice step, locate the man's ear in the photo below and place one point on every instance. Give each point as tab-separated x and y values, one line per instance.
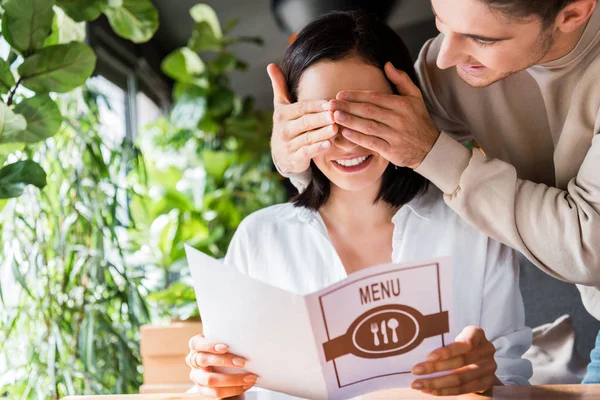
576	14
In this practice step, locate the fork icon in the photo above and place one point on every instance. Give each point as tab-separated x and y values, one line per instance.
374	331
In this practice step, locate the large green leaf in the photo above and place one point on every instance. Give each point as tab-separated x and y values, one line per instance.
43	119
136	20
183	65
7	80
207	34
27	22
205	13
59	68
15	177
10	124
204	38
82	10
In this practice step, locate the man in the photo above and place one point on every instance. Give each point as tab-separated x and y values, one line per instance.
521	77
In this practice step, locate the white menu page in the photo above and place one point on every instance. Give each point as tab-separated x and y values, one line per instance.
360	335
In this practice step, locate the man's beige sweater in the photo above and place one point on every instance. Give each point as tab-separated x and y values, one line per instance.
538	189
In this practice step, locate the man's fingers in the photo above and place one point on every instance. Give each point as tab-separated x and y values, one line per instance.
309	122
280	90
404	84
200	343
459	378
362	125
309	138
384	100
288	112
221	393
204	360
313	150
373	143
366	111
215	379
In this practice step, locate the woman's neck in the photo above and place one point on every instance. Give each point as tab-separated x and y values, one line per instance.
356	210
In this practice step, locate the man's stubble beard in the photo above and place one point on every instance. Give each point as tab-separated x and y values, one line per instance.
542	48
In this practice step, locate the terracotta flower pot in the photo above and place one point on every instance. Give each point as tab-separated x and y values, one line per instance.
163	350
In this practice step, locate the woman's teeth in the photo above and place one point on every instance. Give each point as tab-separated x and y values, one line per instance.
352	163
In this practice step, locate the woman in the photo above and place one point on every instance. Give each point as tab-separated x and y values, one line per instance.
359	211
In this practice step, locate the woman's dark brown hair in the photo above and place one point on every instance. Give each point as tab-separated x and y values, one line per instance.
336	36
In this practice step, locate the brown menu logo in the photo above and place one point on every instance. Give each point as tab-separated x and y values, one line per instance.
386	331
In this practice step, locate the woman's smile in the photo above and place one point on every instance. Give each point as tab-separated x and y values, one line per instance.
353	164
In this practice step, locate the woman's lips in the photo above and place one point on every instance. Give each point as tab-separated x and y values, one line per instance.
354	168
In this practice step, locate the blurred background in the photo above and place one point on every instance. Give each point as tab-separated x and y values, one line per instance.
128	128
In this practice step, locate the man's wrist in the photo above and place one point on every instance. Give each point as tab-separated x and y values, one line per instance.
445	163
426	150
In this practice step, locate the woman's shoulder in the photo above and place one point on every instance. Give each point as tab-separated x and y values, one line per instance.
431	206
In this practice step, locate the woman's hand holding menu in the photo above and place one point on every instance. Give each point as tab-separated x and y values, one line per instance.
204	355
470	357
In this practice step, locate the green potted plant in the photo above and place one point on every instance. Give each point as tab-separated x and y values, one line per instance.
209	166
70	306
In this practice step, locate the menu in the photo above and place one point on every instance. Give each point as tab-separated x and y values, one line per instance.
359	335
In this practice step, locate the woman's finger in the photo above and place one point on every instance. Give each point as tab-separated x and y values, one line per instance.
477	386
459	378
483	351
200	343
215	379
221	393
372	143
205	360
470	338
313	137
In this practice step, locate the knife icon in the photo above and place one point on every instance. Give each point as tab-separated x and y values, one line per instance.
384	332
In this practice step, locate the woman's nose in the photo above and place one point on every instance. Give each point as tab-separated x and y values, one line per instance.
340	141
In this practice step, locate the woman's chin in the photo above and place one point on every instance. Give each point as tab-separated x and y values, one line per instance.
354	184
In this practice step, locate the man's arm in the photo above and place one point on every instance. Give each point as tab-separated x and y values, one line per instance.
558	230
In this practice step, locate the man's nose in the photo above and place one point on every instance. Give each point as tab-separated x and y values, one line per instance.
452	52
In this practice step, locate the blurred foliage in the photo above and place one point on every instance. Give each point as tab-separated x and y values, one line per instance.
71	307
209	163
46	56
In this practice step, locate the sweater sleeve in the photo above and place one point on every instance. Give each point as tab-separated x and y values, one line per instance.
556	229
300	181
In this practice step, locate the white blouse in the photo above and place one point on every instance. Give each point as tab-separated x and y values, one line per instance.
289	247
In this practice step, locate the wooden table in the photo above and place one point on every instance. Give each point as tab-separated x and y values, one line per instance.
555	392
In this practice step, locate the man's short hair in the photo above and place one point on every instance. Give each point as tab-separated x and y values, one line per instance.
546	10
